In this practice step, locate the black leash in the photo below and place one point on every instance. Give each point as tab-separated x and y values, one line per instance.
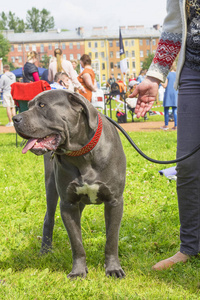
144	155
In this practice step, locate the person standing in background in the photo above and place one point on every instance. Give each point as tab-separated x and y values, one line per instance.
5	85
87	77
30	70
170	98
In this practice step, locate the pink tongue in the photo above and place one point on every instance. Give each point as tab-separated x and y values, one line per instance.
29	145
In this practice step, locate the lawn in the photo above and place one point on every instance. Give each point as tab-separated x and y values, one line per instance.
149	232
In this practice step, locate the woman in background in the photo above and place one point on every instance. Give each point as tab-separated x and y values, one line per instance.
30	70
87	77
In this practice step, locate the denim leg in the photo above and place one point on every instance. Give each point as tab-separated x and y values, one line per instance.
188	171
166	113
174	110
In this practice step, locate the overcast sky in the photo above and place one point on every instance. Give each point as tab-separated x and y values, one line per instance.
70	14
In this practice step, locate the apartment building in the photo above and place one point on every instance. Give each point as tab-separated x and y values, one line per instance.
100	43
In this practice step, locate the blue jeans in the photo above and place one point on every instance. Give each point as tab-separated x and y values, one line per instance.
188	171
166	115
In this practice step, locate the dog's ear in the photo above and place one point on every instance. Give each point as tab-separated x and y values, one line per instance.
88	108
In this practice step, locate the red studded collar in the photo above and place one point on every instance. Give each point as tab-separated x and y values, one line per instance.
92	143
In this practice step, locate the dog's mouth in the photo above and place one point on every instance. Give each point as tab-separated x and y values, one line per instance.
40	146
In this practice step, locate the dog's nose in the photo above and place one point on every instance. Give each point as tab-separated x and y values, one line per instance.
17	119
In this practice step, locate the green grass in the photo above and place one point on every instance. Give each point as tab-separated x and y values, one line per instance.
149	232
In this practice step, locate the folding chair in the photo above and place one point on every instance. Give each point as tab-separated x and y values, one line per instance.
22	93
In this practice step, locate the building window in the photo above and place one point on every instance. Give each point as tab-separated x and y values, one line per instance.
103	66
33	47
112	65
56	46
96	54
141	54
70	45
153	42
20	59
126	43
148	52
133	64
147	42
78	45
89	44
154	51
97	66
12	59
141	42
117	54
27	47
111	54
12	48
96	45
90	54
118	65
41	48
63	46
19	48
102	43
132	42
64	56
103	77
71	56
78	56
128	64
111	43
117	43
126	53
133	53
102	54
50	47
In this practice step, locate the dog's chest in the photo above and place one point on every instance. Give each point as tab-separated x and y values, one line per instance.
91	191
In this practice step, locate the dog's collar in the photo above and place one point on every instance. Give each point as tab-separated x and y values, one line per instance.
92	143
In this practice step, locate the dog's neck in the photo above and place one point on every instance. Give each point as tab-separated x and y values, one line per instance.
91	144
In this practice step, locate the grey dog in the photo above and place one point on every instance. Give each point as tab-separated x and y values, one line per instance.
88	167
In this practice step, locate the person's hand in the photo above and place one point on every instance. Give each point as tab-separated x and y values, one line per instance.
83	89
146	91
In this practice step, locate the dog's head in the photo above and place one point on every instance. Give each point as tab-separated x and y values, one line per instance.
56	120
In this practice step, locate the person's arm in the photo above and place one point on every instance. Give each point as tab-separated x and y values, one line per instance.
168	48
70	71
88	82
50	73
36	76
169	43
165	84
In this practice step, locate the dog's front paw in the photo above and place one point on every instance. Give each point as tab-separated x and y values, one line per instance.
115	270
78	272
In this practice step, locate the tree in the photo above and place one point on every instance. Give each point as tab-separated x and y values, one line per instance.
4	48
39	21
33	19
147	61
3	21
46	22
11	22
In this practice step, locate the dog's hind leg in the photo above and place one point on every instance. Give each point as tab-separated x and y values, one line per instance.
52	200
113	216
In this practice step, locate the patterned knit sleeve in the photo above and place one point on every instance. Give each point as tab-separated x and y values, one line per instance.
169	44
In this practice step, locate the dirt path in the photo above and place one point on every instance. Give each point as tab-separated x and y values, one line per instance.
135	126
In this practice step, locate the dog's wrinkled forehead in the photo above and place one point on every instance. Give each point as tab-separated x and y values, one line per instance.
50	97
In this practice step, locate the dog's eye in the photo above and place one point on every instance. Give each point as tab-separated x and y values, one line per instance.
41	105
